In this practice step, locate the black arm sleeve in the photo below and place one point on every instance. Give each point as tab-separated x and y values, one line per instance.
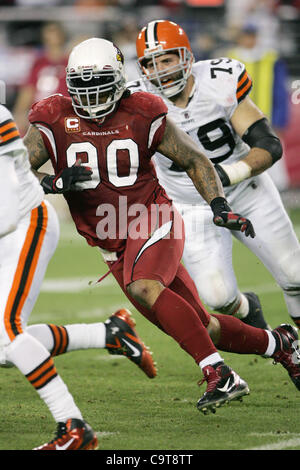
261	135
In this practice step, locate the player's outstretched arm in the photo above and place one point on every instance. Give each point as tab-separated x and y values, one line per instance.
265	147
179	147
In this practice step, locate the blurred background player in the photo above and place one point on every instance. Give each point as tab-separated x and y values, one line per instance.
29	233
47	73
210	101
144	249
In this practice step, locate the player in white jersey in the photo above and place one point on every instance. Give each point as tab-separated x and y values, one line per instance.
29	233
210	101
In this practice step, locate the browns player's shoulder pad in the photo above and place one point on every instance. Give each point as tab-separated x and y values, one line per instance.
50	109
145	104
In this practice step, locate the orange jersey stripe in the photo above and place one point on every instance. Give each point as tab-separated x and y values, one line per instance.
243	90
6	138
8	126
242	79
25	270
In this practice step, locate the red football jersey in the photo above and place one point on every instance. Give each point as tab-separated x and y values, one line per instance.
119	153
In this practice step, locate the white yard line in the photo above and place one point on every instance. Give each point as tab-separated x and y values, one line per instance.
109	357
99	314
79	284
268	288
76	284
295	442
103	434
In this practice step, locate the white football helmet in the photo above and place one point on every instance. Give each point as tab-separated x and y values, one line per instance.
95	78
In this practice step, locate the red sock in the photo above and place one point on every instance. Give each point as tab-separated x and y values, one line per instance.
240	338
179	319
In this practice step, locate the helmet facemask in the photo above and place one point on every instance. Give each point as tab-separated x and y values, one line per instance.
95	93
178	73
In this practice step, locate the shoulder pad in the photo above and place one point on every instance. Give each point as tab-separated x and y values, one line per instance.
49	109
147	104
229	76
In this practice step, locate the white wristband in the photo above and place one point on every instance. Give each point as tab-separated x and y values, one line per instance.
237	172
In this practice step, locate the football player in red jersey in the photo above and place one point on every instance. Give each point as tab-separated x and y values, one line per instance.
122	209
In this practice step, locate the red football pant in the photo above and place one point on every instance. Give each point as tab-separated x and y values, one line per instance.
177	310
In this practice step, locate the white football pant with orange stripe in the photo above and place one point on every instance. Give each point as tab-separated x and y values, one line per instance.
29	233
25	254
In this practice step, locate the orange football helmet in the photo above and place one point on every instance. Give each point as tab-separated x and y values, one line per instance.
164	37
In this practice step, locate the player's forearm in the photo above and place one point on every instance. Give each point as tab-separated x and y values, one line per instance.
258	160
265	150
205	179
38	154
265	146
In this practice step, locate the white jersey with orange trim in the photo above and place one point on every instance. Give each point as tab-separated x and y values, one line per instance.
31	193
29	233
220	85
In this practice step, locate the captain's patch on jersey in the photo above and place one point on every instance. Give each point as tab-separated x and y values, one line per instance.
72	124
8	132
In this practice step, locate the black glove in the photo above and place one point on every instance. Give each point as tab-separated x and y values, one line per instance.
65	180
222	175
224	217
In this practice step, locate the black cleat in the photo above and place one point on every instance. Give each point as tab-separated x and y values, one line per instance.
288	354
255	316
223	386
122	338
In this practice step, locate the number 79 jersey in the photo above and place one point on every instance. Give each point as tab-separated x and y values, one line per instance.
220	85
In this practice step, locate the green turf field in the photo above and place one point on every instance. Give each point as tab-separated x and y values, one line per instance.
125	408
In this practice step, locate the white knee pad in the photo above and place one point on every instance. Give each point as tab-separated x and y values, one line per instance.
289	271
215	291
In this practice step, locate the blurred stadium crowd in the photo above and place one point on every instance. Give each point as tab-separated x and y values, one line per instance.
36	37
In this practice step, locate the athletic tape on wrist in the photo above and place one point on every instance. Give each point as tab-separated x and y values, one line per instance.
237	172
